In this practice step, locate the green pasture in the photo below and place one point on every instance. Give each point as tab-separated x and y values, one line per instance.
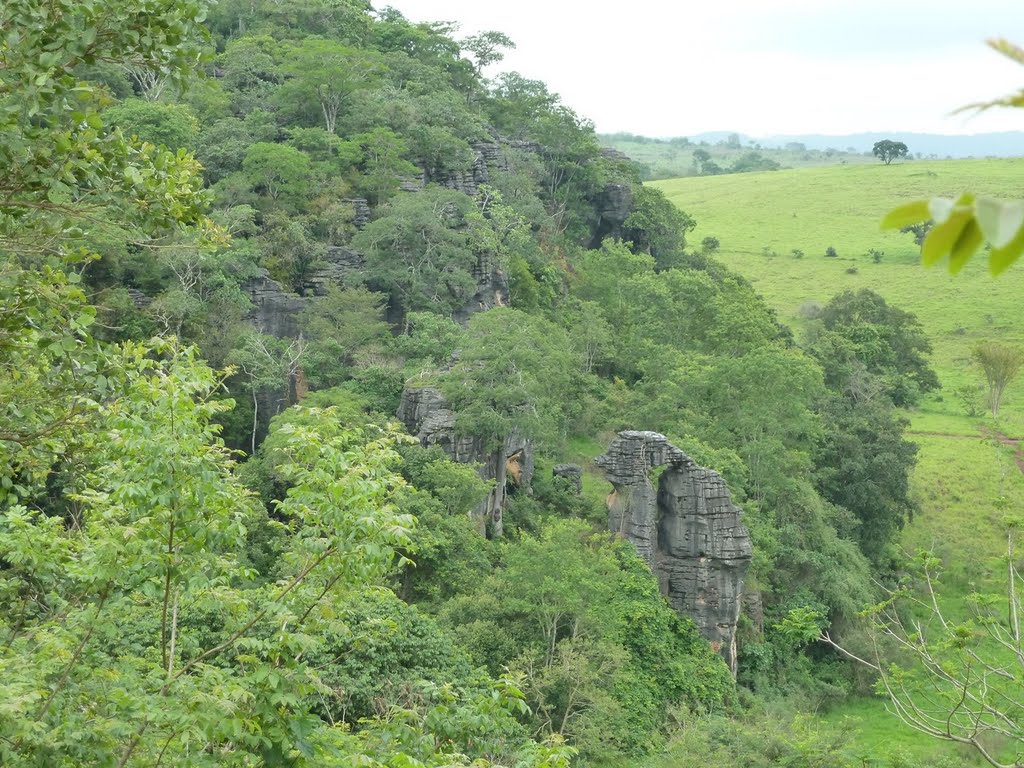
761	218
966	481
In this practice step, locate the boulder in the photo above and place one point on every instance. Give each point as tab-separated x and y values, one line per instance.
687	530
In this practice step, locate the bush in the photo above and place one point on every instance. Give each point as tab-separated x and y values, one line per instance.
831	252
797	253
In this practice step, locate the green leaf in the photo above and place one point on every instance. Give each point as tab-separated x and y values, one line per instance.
940	208
1000	221
908	214
1000	258
969	241
945	235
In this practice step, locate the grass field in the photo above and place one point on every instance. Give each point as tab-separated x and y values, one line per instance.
667	158
812	209
965	480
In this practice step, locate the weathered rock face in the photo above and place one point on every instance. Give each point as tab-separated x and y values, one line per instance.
491	290
360	211
275	311
688	530
427	415
571	473
340	265
613	207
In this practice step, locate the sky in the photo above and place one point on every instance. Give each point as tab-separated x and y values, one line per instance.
760	67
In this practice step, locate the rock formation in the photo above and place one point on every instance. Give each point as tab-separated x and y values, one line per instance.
571	473
613	206
275	311
427	415
688	530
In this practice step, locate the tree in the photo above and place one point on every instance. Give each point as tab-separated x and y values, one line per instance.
324	73
1000	364
277	170
423	250
862	463
888	150
512	377
860	331
658	227
957	672
487	48
171	125
63	174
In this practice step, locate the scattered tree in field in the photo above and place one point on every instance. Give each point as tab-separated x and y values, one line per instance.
705	165
888	150
831	252
1000	364
919	231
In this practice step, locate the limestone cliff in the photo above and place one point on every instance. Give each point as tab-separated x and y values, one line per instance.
688	530
427	415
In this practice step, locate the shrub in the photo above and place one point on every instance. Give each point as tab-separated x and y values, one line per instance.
831	252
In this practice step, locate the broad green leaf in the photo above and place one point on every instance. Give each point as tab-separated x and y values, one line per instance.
944	235
908	214
940	208
1000	258
1000	221
969	241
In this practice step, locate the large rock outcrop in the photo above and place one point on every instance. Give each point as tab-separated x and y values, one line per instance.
688	530
275	311
427	415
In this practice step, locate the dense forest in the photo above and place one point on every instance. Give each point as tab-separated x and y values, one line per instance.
237	243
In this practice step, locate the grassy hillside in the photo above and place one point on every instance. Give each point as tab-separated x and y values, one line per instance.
840	207
965	479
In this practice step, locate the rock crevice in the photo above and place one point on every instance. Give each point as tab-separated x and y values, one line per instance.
687	529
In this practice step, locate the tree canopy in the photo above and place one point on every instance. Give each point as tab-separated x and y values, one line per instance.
888	150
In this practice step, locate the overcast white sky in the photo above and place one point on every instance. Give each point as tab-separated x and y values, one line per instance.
760	67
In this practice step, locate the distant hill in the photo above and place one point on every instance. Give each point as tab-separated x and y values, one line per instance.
1004	144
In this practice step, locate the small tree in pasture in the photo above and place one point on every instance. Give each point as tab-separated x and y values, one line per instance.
1000	364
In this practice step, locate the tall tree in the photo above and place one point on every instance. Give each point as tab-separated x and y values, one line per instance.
513	376
324	73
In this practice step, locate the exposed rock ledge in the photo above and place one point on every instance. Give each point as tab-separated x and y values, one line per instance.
427	415
689	531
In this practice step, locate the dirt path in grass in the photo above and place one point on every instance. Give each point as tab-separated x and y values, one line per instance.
1012	442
